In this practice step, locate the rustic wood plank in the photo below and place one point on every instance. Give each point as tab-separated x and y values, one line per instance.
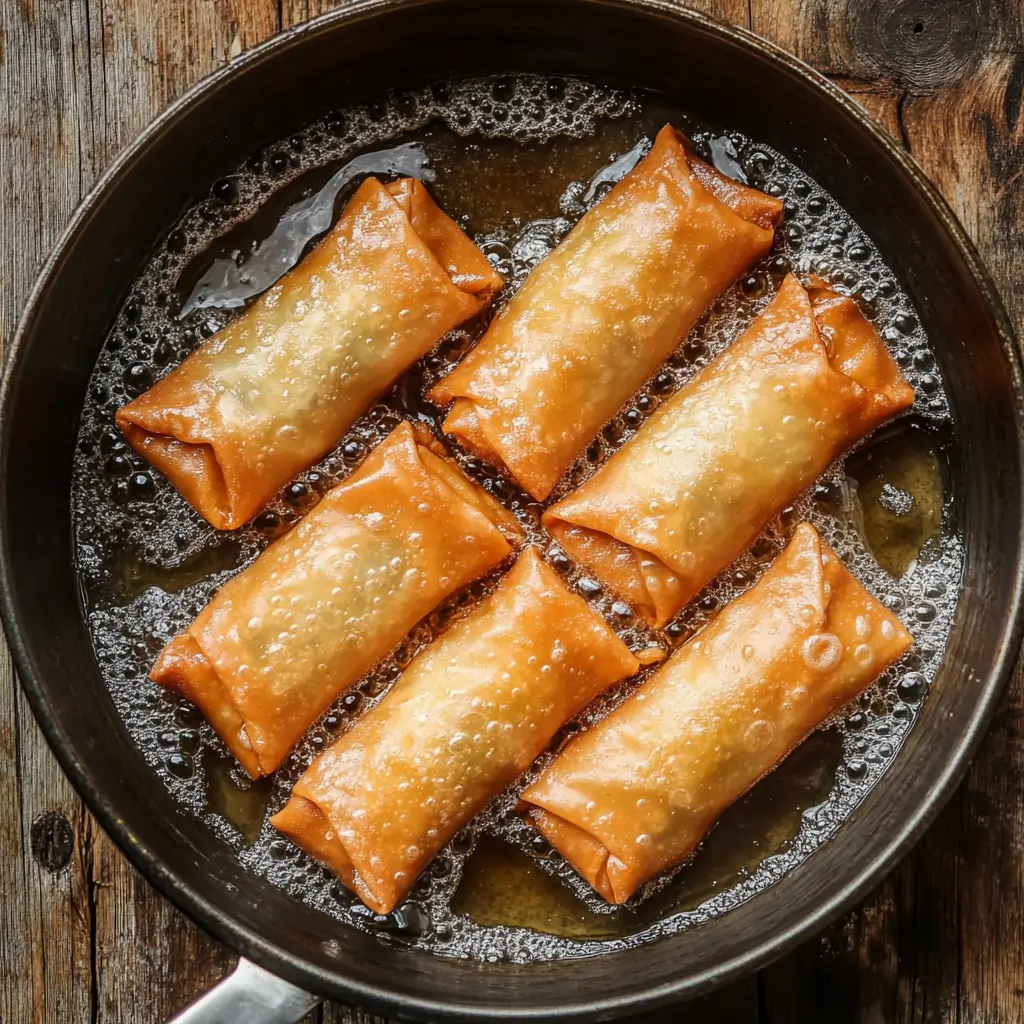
45	911
735	12
144	54
335	1013
294	12
732	12
150	959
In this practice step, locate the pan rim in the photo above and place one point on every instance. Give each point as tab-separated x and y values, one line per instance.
253	945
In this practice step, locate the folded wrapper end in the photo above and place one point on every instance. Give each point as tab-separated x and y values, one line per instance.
193	469
466	422
750	203
857	350
587	856
469	269
307	826
182	668
638	577
438	460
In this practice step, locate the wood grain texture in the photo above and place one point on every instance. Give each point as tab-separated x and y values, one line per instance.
45	918
940	941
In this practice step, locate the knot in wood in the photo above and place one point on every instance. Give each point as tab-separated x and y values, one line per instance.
52	840
921	45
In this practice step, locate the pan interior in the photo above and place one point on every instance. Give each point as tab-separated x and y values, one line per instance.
516	159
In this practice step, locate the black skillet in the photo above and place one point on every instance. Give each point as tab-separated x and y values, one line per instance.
720	74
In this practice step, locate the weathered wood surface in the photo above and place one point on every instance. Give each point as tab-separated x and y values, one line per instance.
940	941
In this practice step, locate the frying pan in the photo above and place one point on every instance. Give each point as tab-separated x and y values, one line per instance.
721	74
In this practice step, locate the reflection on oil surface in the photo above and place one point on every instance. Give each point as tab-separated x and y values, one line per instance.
897	482
236	798
502	885
129	574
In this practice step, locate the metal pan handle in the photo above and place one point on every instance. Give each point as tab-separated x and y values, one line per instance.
249	995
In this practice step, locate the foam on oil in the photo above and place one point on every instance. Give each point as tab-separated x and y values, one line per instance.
517	160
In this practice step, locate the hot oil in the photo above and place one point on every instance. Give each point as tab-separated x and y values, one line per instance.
502	886
245	261
897	487
516	160
130	573
497	183
232	796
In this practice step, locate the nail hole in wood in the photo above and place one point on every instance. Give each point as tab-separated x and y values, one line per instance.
52	840
919	27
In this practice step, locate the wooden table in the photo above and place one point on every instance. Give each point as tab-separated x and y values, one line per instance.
83	937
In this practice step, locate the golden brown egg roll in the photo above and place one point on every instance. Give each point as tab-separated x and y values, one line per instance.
324	603
683	499
277	388
468	716
634	795
595	319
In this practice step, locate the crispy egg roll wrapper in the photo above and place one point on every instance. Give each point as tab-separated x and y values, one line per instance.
277	388
758	425
635	794
468	716
324	603
597	317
